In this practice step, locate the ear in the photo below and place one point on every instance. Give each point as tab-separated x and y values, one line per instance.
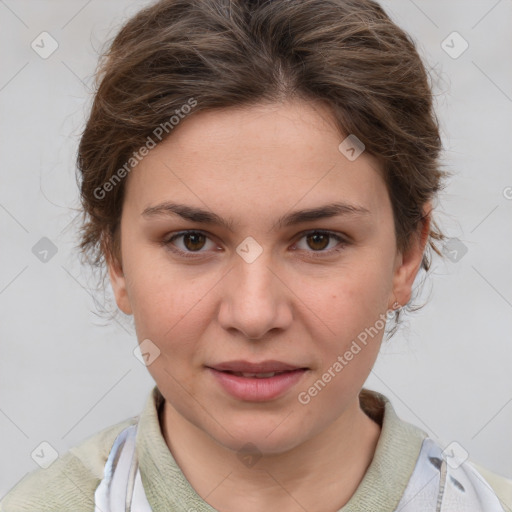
409	262
117	279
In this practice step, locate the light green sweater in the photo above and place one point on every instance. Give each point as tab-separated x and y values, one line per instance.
70	482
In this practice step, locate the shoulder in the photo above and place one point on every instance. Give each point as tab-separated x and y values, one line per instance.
463	484
426	461
70	482
501	485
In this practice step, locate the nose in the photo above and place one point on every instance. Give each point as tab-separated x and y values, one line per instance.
255	299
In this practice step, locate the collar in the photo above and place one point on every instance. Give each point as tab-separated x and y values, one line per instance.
380	489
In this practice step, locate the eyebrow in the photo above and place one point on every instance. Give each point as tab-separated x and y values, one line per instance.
195	214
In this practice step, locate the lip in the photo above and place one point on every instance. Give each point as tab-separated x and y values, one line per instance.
254	389
249	367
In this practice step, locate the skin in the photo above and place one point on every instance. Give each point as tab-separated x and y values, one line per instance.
252	166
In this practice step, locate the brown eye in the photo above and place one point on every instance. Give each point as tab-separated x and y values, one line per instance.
189	244
318	241
194	241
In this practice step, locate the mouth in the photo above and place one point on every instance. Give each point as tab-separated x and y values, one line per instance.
257	382
261	369
266	375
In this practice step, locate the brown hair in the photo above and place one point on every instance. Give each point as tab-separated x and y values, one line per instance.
347	54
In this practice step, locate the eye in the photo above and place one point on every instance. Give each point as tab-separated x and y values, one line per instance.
192	242
318	240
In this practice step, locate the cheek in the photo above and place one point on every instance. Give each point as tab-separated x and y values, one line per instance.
174	327
351	299
164	312
160	292
346	357
353	308
169	309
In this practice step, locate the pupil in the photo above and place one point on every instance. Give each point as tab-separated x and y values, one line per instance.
194	237
315	237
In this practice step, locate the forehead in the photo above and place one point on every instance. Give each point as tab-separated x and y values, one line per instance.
252	156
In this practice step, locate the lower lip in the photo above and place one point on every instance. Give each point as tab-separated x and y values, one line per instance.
257	390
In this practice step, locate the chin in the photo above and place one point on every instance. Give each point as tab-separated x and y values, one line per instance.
260	439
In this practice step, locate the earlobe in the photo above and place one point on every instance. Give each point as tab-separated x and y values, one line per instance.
409	262
118	283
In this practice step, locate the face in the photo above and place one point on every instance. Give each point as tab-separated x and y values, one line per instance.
259	276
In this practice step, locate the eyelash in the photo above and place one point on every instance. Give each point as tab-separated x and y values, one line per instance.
314	254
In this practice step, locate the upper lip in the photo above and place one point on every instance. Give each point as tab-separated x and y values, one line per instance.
261	367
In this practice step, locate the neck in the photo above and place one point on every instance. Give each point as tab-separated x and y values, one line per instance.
331	464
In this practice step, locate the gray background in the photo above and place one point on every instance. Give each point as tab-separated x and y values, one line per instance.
65	373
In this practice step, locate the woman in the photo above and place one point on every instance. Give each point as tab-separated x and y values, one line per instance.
258	179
